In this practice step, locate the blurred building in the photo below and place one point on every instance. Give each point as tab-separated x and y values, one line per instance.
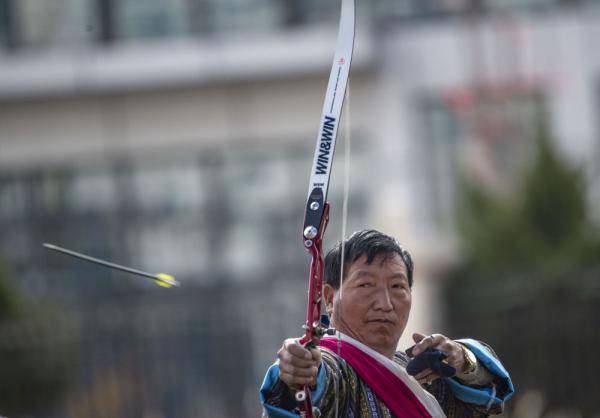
177	135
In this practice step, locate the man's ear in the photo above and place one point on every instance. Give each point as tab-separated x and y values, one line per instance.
328	296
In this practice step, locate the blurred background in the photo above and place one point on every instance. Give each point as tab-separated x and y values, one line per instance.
177	136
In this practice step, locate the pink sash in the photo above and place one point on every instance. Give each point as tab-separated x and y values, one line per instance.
397	396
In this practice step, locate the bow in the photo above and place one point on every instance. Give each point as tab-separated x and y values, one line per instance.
317	208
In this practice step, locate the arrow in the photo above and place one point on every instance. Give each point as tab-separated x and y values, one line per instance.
161	279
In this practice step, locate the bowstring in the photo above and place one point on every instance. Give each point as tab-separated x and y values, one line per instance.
347	146
346	193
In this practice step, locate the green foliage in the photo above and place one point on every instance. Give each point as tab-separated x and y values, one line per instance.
36	347
528	283
542	227
10	301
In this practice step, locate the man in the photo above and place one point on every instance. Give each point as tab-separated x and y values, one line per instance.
358	373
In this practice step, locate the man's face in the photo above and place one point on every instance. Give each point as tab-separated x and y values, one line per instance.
375	302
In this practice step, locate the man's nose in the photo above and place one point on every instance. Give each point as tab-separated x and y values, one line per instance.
383	300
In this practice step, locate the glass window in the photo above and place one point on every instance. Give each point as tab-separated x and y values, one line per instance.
486	134
169	229
13	199
309	11
259	189
5	24
91	192
54	22
442	150
247	247
419	8
136	19
232	16
513	4
169	188
173	245
257	184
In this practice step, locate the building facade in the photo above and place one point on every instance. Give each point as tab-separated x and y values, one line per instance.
178	135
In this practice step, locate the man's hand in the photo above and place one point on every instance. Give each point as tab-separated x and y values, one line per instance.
297	365
452	349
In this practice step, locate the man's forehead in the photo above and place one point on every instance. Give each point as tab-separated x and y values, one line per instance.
388	260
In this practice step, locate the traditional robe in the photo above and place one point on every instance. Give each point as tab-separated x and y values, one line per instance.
341	388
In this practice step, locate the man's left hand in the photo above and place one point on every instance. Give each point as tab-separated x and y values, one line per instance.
452	349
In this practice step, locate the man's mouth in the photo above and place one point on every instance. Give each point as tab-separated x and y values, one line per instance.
381	321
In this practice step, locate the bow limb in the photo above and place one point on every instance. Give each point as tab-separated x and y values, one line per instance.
317	207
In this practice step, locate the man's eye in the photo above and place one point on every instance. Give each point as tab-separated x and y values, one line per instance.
364	284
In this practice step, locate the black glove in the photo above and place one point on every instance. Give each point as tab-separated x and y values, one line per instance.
431	358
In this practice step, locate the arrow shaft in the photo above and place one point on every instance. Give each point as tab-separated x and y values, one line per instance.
108	264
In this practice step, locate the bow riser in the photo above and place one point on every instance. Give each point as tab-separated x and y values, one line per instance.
313	327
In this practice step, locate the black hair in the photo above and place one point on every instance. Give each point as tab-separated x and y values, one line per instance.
367	242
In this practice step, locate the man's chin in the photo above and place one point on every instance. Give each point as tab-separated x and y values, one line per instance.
383	338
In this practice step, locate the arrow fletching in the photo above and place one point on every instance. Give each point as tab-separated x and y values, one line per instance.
166	280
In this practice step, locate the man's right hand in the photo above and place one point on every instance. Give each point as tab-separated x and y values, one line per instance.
297	365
